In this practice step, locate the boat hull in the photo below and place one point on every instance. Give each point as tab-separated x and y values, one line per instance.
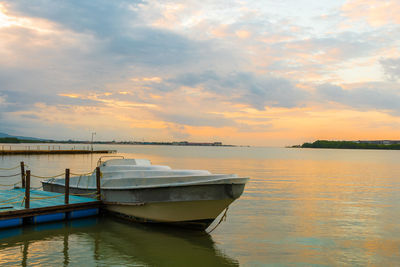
191	214
194	206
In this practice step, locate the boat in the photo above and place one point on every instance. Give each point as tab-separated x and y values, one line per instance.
137	190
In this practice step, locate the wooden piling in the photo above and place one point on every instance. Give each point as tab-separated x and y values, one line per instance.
98	183
66	201
27	188
22	174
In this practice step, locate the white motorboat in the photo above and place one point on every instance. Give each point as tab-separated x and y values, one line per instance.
135	189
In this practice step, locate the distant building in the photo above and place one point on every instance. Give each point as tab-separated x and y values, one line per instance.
379	142
186	143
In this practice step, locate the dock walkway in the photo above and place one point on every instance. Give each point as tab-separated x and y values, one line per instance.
28	205
57	152
21	149
44	207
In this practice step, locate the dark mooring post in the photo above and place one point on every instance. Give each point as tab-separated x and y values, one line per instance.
98	183
22	174
66	201
27	188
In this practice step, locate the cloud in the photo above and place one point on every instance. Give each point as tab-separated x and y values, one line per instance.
197	119
30	116
362	97
100	17
258	91
391	67
119	35
91	46
322	54
375	12
2	100
178	132
18	100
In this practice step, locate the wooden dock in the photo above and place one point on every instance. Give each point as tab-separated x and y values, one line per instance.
57	152
44	207
20	206
6	149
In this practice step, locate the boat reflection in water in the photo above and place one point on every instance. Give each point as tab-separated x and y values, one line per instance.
105	241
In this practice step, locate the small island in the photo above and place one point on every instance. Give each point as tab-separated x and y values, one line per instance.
376	144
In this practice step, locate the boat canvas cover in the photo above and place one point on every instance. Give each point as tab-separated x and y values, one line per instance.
139	173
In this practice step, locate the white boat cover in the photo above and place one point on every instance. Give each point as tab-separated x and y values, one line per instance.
139	173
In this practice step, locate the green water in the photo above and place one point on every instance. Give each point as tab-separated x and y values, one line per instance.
302	207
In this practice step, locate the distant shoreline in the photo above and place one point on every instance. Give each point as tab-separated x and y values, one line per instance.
14	140
391	145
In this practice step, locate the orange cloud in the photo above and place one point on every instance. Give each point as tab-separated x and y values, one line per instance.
376	12
147	79
5	20
71	95
110	102
36	24
220	31
124	93
243	34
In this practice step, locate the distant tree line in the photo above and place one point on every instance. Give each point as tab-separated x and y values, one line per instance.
14	140
348	145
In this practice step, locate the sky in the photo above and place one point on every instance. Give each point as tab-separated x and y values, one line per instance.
260	73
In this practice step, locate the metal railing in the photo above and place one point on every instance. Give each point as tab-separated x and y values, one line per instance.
26	184
5	147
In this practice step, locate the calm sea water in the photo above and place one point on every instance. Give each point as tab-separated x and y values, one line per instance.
302	207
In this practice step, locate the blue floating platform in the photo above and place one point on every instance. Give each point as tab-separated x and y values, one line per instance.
10	222
52	217
44	207
82	213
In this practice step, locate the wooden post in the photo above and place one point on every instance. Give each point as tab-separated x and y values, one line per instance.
98	183
66	202
22	174
27	188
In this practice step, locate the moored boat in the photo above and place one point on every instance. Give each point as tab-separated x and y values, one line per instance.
137	190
